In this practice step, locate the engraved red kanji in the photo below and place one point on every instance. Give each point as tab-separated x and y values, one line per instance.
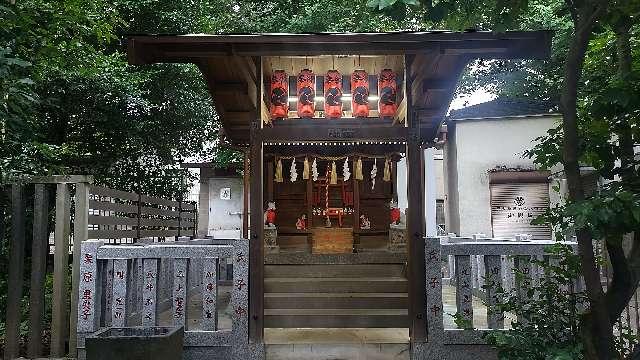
435	309
434	282
240	311
240	283
87	276
88	259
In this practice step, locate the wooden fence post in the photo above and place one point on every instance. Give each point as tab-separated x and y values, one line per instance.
16	272
39	249
80	235
59	315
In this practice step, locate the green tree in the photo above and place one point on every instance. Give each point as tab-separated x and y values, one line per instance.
599	127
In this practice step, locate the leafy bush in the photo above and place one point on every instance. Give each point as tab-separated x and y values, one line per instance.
547	312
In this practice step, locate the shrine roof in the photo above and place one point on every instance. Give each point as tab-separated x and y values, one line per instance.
164	47
504	108
234	67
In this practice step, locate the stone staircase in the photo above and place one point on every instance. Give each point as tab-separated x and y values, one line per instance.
336	296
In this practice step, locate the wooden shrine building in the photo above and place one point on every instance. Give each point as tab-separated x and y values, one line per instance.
323	119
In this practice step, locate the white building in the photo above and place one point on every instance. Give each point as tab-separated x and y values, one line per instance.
490	186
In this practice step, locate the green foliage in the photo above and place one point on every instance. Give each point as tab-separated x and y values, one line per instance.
75	105
547	313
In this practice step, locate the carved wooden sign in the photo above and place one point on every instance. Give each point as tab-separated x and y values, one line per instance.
341	133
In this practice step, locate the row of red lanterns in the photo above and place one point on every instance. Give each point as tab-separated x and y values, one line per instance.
387	90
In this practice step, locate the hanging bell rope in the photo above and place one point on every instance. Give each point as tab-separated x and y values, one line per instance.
278	174
386	176
305	169
358	169
334	174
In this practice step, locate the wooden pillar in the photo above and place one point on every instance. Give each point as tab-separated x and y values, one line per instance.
256	242
16	272
39	247
59	312
245	197
309	202
356	203
80	235
415	220
270	181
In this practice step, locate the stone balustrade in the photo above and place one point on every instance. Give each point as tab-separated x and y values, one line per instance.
136	285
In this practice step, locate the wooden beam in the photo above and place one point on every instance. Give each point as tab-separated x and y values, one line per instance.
415	221
245	197
494	48
231	87
256	242
16	272
335	132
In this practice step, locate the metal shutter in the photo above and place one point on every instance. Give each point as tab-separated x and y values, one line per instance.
515	205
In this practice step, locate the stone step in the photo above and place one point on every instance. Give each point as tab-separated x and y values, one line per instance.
336	300
335	318
338	351
336	285
355	270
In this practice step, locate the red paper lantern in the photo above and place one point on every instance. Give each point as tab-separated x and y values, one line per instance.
388	92
360	93
279	95
333	94
306	93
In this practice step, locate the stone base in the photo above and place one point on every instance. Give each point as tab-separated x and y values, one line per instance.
271	249
397	239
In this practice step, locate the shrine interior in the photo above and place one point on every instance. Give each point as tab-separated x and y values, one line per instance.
333	196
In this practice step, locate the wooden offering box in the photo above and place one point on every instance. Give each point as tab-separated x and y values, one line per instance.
332	240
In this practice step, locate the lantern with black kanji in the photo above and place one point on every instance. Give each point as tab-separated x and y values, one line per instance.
388	92
306	93
360	93
333	94
279	95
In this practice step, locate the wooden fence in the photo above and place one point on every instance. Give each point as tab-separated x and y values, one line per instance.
82	212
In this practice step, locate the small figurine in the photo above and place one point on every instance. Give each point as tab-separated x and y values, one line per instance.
301	224
395	213
365	224
270	215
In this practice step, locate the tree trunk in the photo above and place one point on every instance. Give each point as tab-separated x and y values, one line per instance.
597	330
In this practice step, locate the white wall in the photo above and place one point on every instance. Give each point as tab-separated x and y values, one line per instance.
225	216
475	147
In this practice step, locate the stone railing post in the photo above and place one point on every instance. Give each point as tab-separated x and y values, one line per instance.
240	300
89	293
433	272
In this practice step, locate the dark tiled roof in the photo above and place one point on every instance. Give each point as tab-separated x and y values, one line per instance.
505	107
